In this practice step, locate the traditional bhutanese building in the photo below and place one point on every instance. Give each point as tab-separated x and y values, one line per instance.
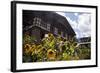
39	23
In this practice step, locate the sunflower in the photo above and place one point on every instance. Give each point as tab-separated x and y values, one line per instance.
39	48
51	54
27	48
33	48
36	49
50	36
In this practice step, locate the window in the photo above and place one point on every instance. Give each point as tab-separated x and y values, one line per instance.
66	36
55	31
34	21
62	34
37	21
48	27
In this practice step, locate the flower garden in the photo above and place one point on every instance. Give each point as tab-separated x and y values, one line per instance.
53	48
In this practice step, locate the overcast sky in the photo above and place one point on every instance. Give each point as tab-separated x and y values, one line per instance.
80	22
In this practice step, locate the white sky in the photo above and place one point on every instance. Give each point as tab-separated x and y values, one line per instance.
80	22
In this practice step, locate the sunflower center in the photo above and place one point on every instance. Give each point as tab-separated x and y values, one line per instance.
51	52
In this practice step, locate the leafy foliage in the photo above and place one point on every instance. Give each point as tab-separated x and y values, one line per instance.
52	48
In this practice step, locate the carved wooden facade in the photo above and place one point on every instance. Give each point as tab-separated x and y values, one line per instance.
39	23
